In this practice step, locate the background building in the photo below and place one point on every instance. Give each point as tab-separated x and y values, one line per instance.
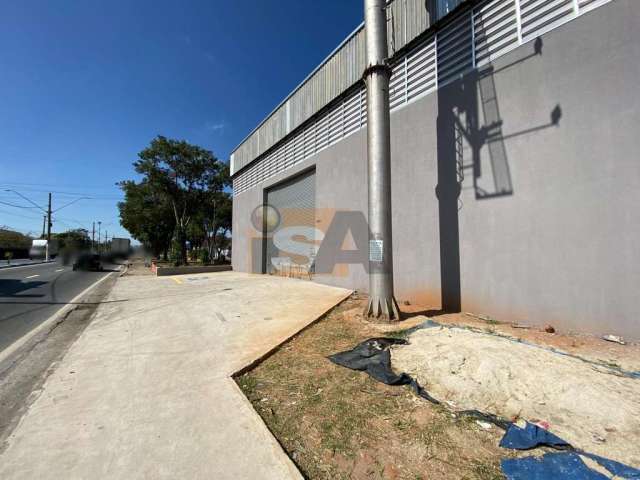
514	162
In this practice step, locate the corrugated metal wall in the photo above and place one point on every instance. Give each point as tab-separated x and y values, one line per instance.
343	68
472	39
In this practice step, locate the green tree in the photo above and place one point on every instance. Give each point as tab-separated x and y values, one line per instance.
10	240
217	222
77	239
186	178
147	215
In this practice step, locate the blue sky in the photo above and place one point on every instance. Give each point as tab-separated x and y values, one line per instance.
86	84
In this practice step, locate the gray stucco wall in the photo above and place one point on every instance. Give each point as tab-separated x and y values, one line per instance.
546	229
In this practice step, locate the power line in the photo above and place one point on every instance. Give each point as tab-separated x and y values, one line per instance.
28	199
64	221
71	203
95	195
14	205
70	227
68	219
19	215
54	185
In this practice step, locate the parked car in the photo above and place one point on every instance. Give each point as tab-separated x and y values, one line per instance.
89	262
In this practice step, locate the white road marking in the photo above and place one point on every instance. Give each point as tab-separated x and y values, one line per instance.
38	264
60	269
33	276
10	349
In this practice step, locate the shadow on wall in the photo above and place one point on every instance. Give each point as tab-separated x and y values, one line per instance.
459	129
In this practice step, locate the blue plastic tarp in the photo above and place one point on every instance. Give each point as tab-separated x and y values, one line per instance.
531	436
565	466
561	465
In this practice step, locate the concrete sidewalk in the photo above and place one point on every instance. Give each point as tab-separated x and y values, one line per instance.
146	391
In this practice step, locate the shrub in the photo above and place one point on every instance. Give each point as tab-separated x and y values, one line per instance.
204	256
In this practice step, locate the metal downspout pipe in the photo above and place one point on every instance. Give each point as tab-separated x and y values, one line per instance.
382	303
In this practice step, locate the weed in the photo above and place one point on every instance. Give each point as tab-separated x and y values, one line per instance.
331	420
486	470
398	334
248	385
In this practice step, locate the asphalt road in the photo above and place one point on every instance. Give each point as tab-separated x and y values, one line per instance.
29	295
17	262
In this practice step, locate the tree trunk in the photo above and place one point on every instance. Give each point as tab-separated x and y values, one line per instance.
182	246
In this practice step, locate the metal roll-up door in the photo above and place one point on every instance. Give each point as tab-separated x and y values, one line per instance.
290	245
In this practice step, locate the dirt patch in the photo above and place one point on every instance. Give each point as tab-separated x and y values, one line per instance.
591	406
336	423
587	346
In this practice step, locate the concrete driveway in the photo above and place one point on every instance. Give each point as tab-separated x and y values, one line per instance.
146	390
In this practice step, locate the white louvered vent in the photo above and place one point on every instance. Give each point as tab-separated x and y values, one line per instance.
539	16
310	139
475	38
352	113
346	117
298	147
586	5
421	69
363	107
454	50
495	30
397	85
336	121
322	133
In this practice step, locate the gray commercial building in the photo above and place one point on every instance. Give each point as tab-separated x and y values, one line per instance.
515	167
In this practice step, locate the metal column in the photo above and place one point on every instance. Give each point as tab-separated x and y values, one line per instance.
381	300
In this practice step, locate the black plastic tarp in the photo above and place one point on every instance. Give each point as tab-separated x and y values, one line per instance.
373	356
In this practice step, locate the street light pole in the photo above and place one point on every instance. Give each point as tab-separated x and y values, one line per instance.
382	303
48	230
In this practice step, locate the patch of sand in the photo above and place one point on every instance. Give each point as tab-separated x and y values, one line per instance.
590	406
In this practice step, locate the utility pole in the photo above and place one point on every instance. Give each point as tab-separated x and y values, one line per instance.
47	212
44	223
99	224
93	236
48	228
382	303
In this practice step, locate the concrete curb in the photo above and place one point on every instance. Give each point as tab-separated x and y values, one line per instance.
191	269
257	361
294	471
125	269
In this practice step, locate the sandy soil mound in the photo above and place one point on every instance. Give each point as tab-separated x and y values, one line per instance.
590	406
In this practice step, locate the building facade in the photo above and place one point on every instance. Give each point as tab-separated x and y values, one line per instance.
514	164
